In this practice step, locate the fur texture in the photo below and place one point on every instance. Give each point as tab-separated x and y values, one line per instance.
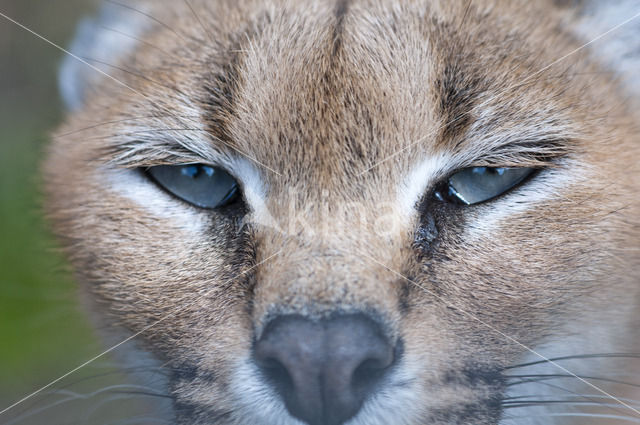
338	119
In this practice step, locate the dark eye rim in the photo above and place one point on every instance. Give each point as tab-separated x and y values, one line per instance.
443	187
231	202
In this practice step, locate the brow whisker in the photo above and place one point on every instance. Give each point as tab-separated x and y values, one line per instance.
510	88
160	107
139	40
136	74
153	18
204	29
120	121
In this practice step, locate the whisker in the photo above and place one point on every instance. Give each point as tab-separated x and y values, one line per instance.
207	32
96	407
542	377
147	131
136	420
139	40
120	121
136	73
74	396
153	18
532	403
590	396
144	393
113	370
577	356
581	415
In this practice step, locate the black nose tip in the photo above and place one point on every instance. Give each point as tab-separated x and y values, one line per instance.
324	370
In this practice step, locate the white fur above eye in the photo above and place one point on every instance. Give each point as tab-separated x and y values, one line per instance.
419	179
253	190
550	184
134	186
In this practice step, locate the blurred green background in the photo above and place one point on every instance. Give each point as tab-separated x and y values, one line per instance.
43	331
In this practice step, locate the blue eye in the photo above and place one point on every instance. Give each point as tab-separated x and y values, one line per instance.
479	184
201	185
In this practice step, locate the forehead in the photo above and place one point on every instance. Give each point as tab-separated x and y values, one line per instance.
326	92
342	88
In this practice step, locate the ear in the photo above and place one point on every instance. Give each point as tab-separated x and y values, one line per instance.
106	39
619	49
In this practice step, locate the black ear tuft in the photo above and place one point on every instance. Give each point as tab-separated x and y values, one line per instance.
105	39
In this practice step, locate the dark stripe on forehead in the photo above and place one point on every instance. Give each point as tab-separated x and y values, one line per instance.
458	85
342	7
219	100
457	94
341	10
221	84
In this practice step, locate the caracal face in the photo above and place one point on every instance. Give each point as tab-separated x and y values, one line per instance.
370	263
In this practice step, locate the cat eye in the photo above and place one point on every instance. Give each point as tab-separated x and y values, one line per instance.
201	185
479	184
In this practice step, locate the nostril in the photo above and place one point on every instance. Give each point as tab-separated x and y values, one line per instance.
289	355
277	374
368	373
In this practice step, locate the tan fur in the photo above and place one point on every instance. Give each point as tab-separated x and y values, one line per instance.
311	98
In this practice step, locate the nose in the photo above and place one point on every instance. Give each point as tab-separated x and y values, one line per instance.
324	370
